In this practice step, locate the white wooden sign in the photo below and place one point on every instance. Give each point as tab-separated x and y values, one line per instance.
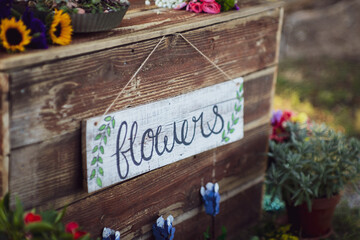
130	142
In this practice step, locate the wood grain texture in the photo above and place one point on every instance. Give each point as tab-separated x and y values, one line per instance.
50	172
134	205
4	134
52	99
138	26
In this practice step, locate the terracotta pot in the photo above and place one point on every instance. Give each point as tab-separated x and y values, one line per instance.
316	223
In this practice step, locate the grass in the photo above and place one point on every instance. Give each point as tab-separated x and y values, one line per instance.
327	90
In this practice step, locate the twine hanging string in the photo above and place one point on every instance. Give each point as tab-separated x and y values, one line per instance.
148	57
134	75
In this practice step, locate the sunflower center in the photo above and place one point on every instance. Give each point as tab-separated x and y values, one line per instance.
13	36
58	30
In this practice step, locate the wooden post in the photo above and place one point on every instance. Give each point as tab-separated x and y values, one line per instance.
4	134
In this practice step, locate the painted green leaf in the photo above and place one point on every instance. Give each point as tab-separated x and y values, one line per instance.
92	174
113	123
241	98
223	134
237	109
94	161
238	96
95	149
232	116
108	119
241	87
108	131
102	149
227	139
102	127
100	160
228	126
105	139
101	171
99	182
98	136
232	130
236	121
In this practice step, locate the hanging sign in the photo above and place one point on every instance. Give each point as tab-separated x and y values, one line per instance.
130	142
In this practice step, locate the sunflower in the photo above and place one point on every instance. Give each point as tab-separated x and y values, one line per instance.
61	29
14	35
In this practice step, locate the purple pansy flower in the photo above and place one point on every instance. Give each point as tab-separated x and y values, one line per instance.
236	7
38	30
109	234
5	8
211	198
276	117
163	230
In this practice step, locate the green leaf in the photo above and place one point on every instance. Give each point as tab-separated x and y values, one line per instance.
101	171
223	135
18	213
102	127
92	174
108	119
232	130
100	160
238	96
232	116
98	136
99	182
60	215
94	161
38	227
102	149
108	131
105	139
228	126
95	149
227	139
113	123
236	121
241	87
237	109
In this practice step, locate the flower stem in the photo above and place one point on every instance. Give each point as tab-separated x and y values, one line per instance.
213	227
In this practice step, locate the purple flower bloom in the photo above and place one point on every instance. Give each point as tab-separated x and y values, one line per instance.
163	230
5	8
211	198
237	8
38	30
276	117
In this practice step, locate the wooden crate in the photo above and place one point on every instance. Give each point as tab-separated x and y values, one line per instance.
46	94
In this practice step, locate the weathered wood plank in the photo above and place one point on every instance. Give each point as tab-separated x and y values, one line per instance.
236	213
166	23
174	189
4	134
51	172
53	98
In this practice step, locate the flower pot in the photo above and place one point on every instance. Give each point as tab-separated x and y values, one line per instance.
97	22
316	223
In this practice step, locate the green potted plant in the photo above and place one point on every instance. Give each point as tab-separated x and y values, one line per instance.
309	172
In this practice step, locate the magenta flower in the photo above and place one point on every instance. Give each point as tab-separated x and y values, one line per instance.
211	7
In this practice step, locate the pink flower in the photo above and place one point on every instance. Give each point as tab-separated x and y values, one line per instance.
180	6
211	7
80	10
194	7
208	1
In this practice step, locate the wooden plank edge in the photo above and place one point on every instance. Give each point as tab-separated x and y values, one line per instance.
249	77
57	53
83	154
4	135
224	197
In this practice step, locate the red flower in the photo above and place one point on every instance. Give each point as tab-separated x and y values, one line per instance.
194	7
31	217
71	227
211	7
79	234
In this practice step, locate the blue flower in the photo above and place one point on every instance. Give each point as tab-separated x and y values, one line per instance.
5	8
38	30
163	230
109	234
211	198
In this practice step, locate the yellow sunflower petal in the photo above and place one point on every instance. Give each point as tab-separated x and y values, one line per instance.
14	35
60	30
